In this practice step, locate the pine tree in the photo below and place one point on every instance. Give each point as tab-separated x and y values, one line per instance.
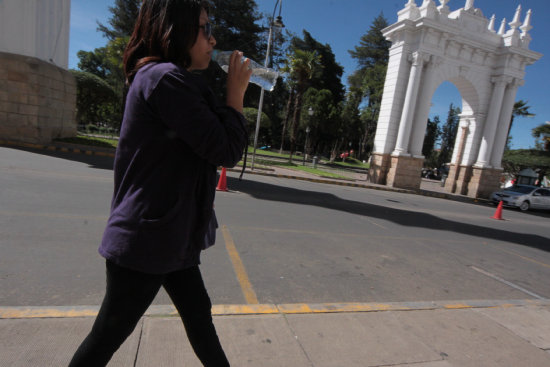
448	135
124	16
330	76
367	82
432	134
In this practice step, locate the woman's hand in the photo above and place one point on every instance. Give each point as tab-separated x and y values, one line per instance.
238	77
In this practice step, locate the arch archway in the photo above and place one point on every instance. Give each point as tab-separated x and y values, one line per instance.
431	45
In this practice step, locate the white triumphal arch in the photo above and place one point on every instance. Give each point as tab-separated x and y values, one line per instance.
431	45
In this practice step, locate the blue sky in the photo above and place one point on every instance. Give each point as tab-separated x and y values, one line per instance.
341	23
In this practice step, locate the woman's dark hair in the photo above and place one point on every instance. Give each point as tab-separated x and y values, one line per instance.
165	30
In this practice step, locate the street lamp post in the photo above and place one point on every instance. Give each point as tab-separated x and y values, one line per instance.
305	147
310	113
274	23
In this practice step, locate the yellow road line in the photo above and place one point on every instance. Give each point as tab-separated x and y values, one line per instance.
271	309
246	286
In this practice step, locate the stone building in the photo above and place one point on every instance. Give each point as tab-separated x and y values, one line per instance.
430	45
37	92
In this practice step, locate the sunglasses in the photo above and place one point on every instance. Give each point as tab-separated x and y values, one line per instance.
207	28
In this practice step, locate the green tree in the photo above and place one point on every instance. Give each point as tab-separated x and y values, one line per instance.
350	124
323	122
301	66
327	77
520	110
514	161
251	116
373	48
330	75
106	62
448	135
432	134
543	132
367	82
93	95
123	18
235	27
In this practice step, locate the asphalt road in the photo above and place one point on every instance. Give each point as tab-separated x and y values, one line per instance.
280	241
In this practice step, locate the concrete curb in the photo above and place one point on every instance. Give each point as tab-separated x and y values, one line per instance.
23	312
63	147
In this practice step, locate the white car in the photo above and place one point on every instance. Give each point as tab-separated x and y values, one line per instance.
523	197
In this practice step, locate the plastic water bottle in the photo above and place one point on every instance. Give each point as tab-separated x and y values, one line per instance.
266	78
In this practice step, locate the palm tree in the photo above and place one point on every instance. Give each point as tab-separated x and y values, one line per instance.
287	116
520	110
301	66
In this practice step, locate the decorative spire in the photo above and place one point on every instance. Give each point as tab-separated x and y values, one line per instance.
469	4
410	11
502	28
526	27
515	23
491	26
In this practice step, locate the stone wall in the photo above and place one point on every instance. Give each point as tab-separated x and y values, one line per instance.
37	100
379	167
405	172
484	181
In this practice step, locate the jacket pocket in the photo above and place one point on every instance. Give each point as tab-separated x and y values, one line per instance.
166	218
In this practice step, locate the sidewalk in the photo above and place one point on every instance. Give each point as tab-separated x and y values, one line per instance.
482	334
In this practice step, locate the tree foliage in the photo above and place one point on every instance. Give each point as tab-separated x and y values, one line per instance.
121	24
251	115
521	109
235	27
106	64
514	161
329	76
324	122
367	82
301	67
432	134
542	132
448	135
93	96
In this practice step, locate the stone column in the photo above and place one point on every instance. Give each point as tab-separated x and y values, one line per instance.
486	147
504	123
423	105
455	169
405	125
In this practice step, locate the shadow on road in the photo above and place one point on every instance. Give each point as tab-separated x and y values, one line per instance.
264	191
94	161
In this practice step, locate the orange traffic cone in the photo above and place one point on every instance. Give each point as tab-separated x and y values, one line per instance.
222	183
498	212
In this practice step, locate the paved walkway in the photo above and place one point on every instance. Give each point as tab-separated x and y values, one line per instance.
486	334
423	334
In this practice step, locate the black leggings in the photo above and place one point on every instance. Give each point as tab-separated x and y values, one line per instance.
129	294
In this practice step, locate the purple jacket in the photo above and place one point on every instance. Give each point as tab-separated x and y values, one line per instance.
173	136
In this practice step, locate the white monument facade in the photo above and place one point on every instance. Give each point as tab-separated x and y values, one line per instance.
430	45
37	92
37	28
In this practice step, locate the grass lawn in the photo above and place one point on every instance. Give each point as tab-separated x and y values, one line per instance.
90	140
112	143
299	167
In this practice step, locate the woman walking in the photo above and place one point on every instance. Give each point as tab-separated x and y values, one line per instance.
173	136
